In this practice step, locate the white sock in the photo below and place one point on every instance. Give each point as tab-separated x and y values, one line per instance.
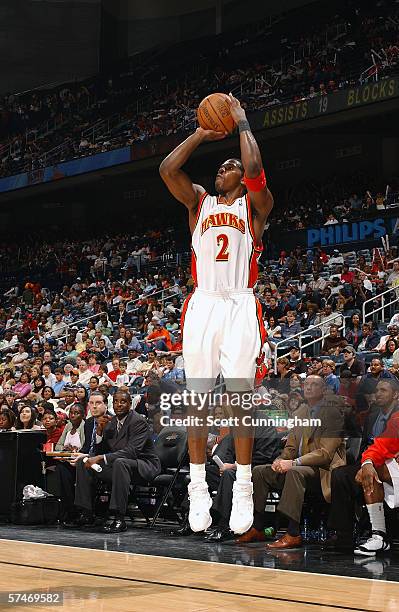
197	473
377	516
244	473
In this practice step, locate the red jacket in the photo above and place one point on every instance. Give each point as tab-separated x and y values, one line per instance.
387	446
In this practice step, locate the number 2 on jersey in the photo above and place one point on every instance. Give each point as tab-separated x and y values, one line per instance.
223	254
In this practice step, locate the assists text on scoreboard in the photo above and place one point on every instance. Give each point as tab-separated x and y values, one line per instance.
331	103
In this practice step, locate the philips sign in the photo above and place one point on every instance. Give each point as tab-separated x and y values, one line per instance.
347	232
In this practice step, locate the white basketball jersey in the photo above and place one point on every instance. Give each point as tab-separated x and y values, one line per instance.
224	251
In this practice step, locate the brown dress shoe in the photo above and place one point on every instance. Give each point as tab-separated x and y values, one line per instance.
286	541
253	535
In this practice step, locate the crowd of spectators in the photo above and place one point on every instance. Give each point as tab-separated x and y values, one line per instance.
108	331
323	61
333	200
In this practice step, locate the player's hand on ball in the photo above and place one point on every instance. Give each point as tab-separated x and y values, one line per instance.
237	112
209	135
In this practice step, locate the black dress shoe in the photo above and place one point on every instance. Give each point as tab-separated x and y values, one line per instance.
338	543
118	525
83	520
184	530
219	535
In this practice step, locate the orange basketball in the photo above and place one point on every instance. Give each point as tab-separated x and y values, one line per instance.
214	113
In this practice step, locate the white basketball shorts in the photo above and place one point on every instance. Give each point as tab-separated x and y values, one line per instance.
223	333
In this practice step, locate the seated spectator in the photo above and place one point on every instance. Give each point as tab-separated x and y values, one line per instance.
392	332
290	327
316	366
92	363
348	388
297	364
305	463
318	283
27	418
368	383
378	466
387	355
7	419
281	380
310	316
328	317
273	309
72	437
171	373
60	383
370	338
133	361
52	426
48	377
23	387
127	456
354	331
328	370
123	379
48	395
82	395
94	383
334	342
347	276
159	338
84	373
352	364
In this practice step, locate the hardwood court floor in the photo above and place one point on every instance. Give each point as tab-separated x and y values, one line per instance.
107	581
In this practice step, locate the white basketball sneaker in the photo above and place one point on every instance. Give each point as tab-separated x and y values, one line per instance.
242	511
377	543
200	503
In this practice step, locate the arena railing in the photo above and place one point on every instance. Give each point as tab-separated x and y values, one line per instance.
151	295
78	322
380	298
307	332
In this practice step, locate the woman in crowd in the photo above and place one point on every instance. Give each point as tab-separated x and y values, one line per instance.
38	387
82	396
93	365
23	387
273	333
34	374
328	372
27	418
387	356
48	394
72	438
310	315
354	332
52	426
7	418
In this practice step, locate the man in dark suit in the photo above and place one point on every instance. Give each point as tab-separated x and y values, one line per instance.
125	454
346	493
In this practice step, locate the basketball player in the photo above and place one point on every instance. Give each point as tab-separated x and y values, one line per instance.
223	328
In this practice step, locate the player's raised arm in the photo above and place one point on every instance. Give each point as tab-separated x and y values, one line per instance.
255	180
176	180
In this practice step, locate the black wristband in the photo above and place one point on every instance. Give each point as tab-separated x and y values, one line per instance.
243	126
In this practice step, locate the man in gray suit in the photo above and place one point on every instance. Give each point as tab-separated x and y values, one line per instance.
126	455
